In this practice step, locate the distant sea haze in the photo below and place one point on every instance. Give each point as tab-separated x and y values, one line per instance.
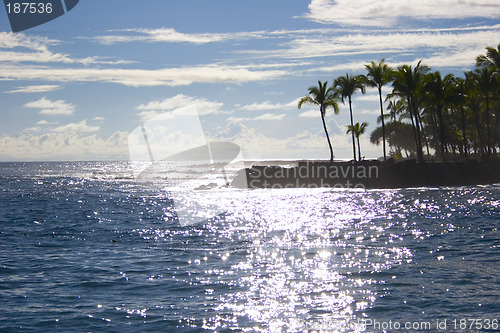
85	246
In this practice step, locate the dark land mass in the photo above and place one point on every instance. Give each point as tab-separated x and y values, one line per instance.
371	174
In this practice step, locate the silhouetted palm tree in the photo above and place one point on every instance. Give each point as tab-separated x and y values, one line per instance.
473	103
406	84
346	86
491	58
438	92
378	76
357	130
486	80
459	98
323	97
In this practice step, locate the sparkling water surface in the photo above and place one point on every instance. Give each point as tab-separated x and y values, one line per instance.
85	247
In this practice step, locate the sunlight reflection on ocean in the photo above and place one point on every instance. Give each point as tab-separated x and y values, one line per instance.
312	257
85	246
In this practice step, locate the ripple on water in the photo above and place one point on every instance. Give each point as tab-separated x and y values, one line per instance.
99	253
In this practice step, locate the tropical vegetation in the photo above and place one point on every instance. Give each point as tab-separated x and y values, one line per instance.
324	97
346	86
357	129
429	115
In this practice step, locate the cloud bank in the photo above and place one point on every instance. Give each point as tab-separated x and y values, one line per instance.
385	13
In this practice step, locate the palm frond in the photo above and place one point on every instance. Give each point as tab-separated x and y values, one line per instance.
306	100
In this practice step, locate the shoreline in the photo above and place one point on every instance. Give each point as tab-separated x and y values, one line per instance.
368	174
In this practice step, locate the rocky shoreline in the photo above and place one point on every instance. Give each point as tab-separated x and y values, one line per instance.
370	174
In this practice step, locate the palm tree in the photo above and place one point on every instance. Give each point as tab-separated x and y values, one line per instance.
357	130
346	86
486	81
438	93
406	84
378	76
490	59
459	98
473	102
323	97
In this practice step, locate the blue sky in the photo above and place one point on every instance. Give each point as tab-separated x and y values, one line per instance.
76	87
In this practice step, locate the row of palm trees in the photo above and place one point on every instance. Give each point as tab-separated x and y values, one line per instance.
450	115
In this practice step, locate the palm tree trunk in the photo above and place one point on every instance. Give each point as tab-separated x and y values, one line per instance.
352	124
359	149
383	125
464	138
420	155
435	132
488	134
496	136
442	138
327	136
479	131
413	124
426	141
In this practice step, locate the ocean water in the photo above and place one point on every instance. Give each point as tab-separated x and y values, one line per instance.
85	247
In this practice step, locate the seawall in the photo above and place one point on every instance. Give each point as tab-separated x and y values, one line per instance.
369	174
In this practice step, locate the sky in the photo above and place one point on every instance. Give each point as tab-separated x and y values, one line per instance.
75	88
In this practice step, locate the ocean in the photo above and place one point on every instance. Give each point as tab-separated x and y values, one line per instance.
86	247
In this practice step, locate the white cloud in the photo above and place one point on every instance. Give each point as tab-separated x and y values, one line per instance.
35	49
310	114
374	111
356	66
156	108
267	105
33	129
388	12
369	43
63	146
47	56
40	57
80	127
149	115
181	76
369	97
314	113
48	107
265	116
203	105
170	35
34	89
270	116
164	139
45	122
460	58
19	40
